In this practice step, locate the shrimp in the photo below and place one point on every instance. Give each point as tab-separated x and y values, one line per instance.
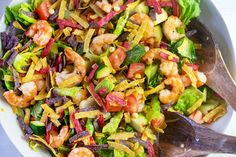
81	152
29	91
197	116
79	68
100	41
41	31
104	5
186	80
169	68
39	84
140	18
201	79
151	55
169	28
56	140
171	96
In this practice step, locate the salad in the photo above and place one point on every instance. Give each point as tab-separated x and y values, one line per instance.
95	77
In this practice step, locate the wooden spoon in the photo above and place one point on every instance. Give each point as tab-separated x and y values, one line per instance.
184	138
212	64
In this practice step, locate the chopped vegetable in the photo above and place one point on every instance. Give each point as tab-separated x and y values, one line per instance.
190	97
189	9
7	84
138	122
102	72
38	127
154	110
153	76
104	95
42	9
89	126
37	110
46	50
117	58
96	97
185	47
105	83
92	72
113	125
134	55
136	70
151	151
121	24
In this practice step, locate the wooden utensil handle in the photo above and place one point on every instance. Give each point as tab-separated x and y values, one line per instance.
212	142
220	80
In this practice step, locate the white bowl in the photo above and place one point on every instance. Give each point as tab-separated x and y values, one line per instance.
210	17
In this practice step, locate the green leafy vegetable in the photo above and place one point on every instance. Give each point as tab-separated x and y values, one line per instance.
9	17
105	83
113	125
189	9
121	24
139	122
7	84
190	97
154	77
105	153
37	110
63	149
19	12
66	116
20	61
123	19
154	109
135	54
89	126
54	50
101	140
184	47
129	128
36	3
142	8
212	101
71	91
118	153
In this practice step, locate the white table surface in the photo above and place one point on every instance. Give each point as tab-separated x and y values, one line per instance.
227	9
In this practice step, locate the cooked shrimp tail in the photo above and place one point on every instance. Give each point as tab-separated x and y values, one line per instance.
29	91
41	31
58	140
171	96
102	40
79	68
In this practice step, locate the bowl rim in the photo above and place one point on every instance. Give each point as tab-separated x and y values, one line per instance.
26	151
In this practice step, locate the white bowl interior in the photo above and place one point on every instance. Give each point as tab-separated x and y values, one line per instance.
210	17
